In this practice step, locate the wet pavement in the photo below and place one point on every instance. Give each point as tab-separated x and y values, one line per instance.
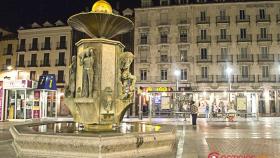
259	138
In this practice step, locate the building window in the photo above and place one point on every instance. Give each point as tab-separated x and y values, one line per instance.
34	43
244	52
203	34
163	37
265	71
60	76
164	2
21	60
203	16
243	33
263	32
143	75
143	38
223	34
146	3
203	53
223	14
22	44
32	75
8	62
9	49
264	52
47	44
33	59
242	14
183	55
163	58
183	36
184	74
45	72
183	1
224	52
46	58
61	59
201	1
223	70
262	13
62	42
143	55
163	75
204	72
244	71
163	18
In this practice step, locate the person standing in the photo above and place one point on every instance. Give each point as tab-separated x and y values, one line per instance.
194	111
206	110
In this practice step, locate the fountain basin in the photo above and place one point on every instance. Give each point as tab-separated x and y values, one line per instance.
69	140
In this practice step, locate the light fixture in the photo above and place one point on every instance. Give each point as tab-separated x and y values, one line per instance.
10	67
177	73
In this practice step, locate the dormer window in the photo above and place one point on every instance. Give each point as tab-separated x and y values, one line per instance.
146	3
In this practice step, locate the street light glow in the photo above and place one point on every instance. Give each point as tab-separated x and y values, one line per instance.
229	70
177	72
10	67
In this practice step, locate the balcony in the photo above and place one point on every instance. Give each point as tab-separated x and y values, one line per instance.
21	48
224	78
61	45
185	21
183	40
163	22
20	64
164	60
245	78
222	19
45	46
245	58
32	63
60	62
183	59
243	19
265	57
143	80
4	67
143	60
265	18
204	59
265	37
203	39
60	79
44	63
143	24
7	52
224	58
246	38
204	79
226	38
201	20
269	78
33	47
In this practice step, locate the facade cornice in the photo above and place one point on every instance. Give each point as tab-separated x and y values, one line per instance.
44	30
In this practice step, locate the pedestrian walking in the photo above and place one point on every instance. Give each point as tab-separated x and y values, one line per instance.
194	112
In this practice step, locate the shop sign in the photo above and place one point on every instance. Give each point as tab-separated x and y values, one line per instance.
18	84
157	89
47	82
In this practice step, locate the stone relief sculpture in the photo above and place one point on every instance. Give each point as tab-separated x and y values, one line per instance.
87	61
71	87
107	99
127	79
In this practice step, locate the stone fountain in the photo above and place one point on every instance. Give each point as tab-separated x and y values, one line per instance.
100	90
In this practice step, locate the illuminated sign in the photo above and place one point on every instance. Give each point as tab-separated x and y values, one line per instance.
19	84
157	89
47	82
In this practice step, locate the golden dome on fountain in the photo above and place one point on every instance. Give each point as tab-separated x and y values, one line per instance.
102	6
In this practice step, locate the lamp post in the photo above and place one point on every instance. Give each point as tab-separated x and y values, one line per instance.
229	71
177	74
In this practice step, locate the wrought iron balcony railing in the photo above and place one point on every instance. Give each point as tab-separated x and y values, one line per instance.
265	18
203	20
203	39
268	78
245	58
224	78
222	19
265	37
241	19
224	58
226	38
265	57
245	38
204	79
245	78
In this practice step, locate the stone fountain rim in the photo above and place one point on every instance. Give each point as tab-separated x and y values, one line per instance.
24	130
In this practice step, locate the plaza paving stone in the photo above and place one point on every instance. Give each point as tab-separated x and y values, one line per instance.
253	137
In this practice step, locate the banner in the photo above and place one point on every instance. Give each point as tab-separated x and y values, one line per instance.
47	82
241	103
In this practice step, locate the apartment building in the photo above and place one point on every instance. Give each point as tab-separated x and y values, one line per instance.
226	53
8	46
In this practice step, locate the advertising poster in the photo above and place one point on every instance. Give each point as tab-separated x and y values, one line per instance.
1	97
36	106
241	103
165	103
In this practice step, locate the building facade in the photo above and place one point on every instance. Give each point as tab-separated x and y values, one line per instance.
225	53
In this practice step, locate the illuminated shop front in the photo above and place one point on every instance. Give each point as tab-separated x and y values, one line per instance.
18	99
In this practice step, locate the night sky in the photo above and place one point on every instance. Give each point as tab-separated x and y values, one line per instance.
16	13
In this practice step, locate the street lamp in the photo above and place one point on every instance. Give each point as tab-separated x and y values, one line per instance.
177	74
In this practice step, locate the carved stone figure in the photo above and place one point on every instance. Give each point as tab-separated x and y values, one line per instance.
87	61
128	80
72	80
107	99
